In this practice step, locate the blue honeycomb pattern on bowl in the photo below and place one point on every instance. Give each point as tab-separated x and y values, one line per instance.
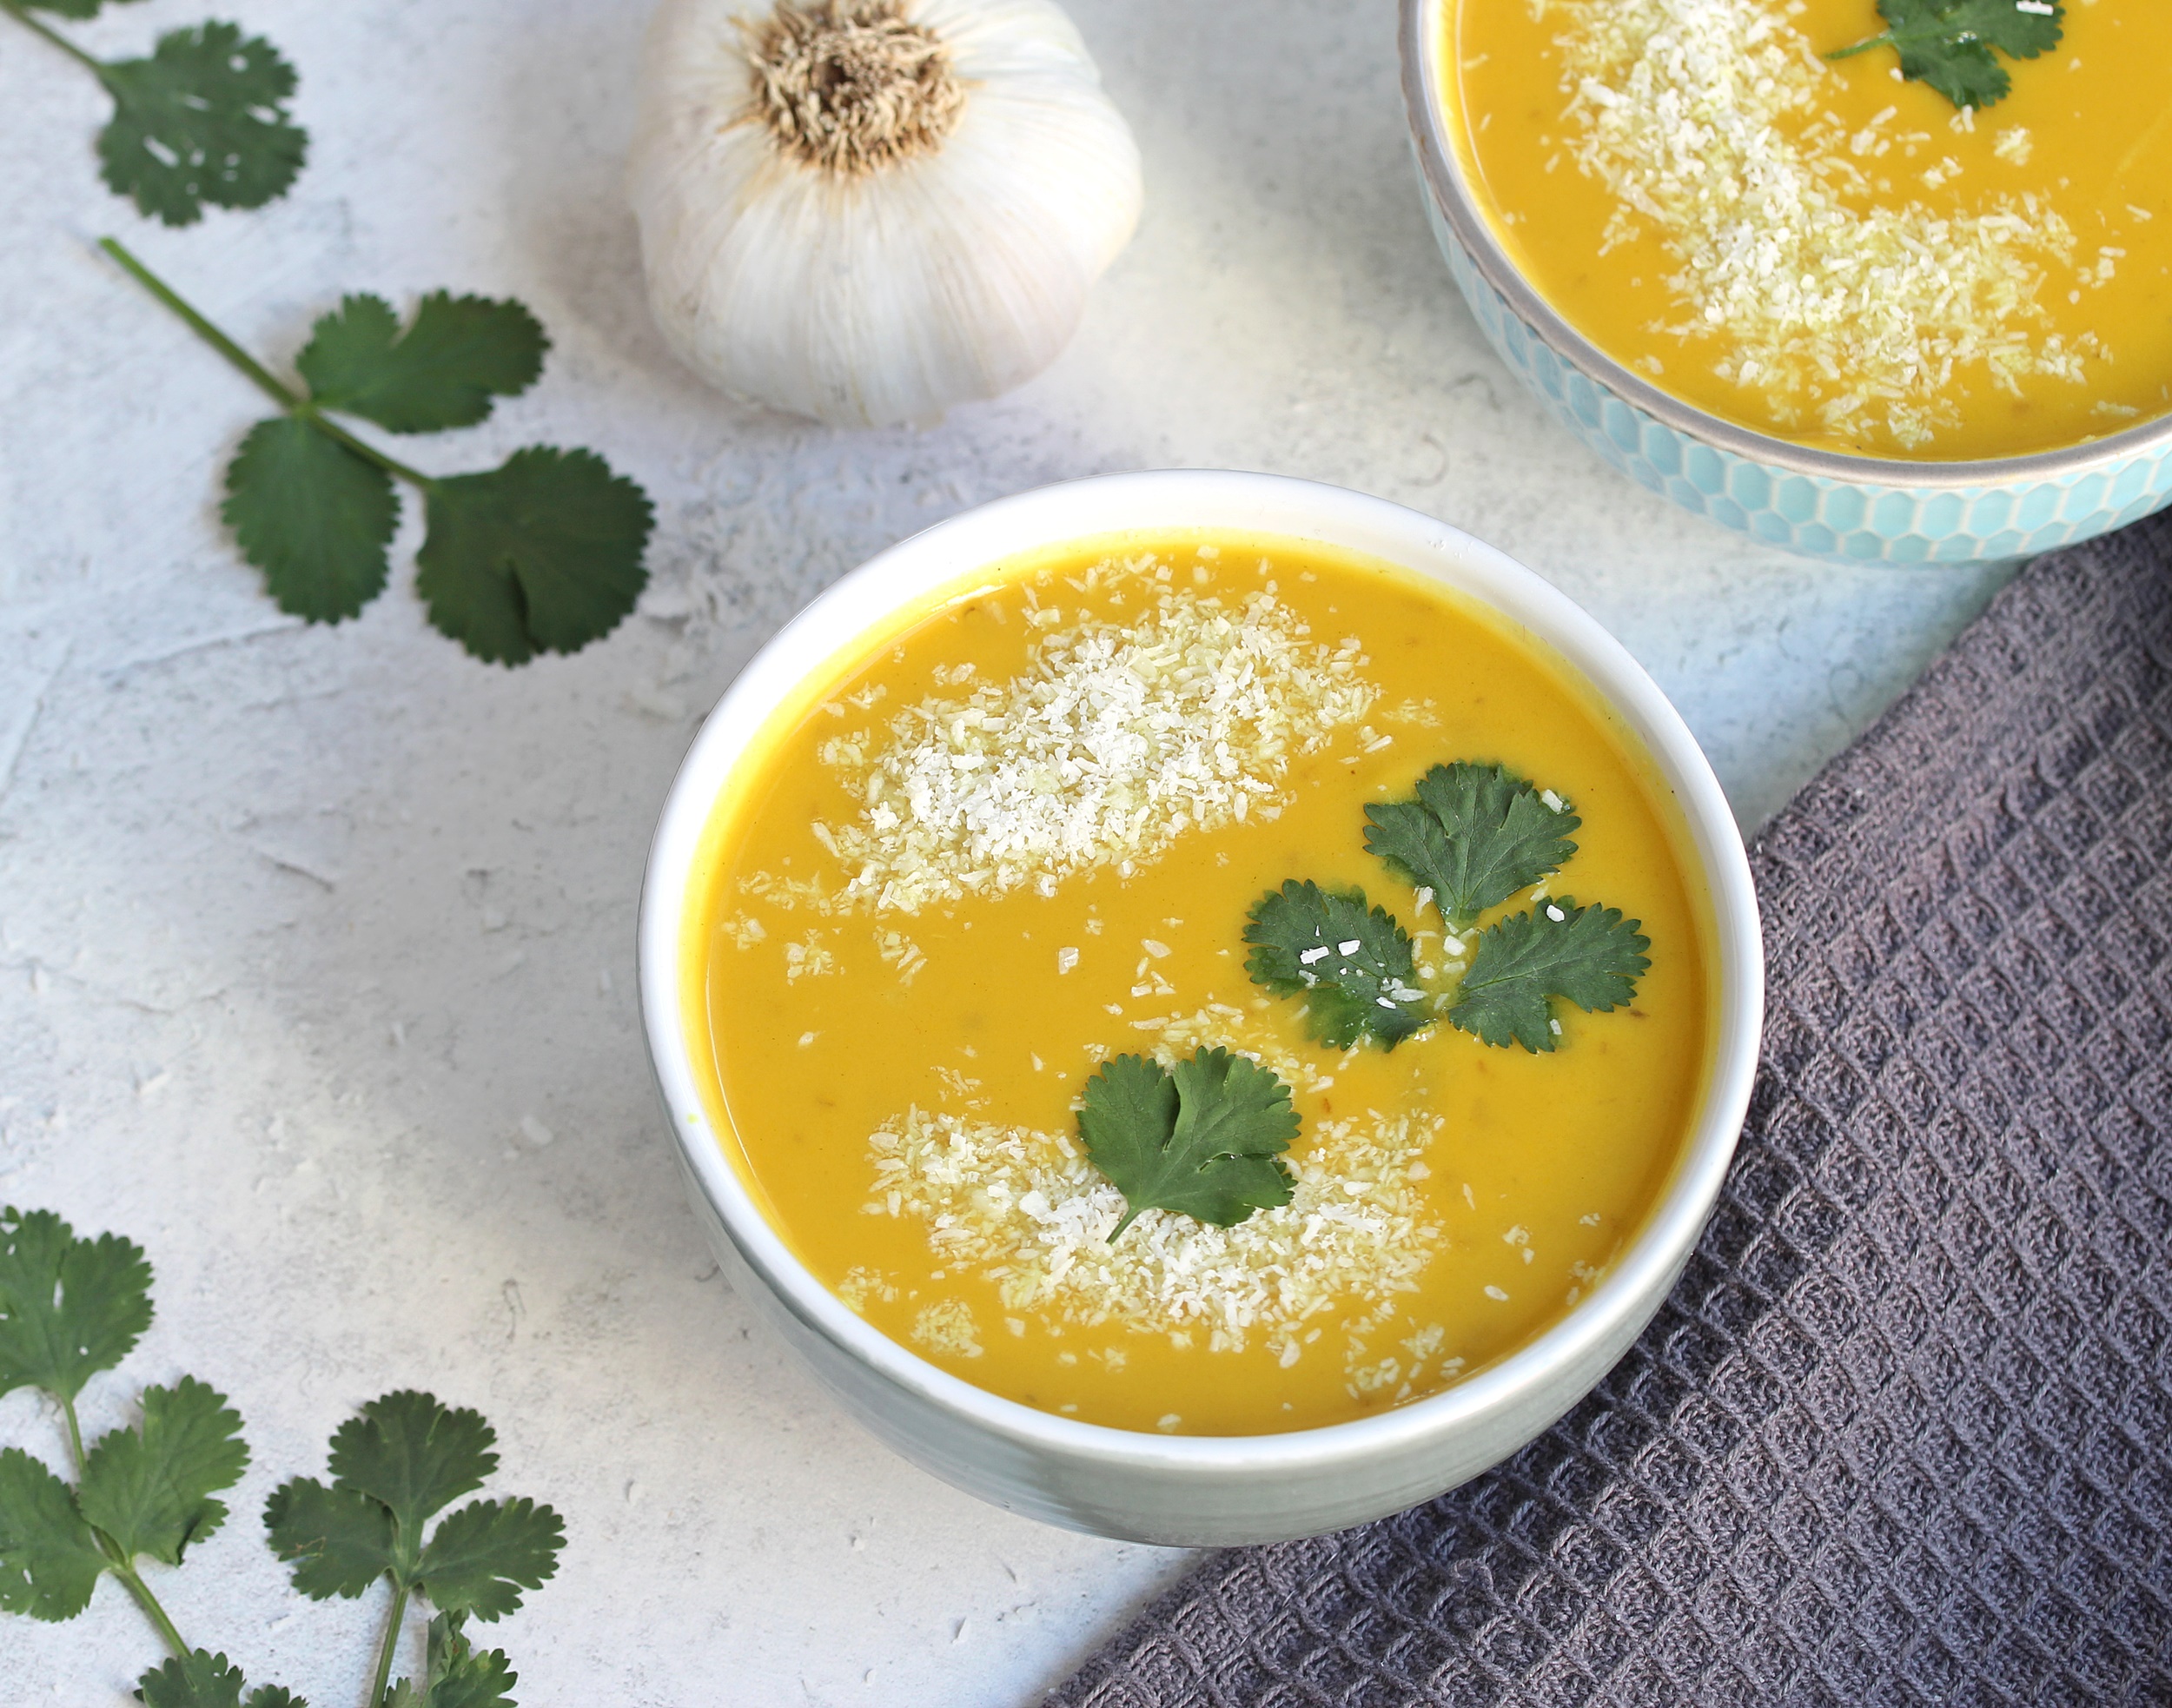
1850	521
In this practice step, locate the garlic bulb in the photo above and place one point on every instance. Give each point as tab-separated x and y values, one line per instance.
868	210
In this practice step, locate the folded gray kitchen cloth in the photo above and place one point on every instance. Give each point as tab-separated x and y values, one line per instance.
1904	1432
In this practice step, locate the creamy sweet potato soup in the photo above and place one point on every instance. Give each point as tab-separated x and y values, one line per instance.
1820	249
1060	817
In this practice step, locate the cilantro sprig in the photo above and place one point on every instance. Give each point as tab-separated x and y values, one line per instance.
394	1468
543	554
72	1307
202	123
1472	836
1204	1140
1949	43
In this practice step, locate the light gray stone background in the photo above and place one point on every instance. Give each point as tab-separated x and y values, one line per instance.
316	968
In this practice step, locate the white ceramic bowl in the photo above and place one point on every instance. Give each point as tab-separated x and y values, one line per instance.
1194	1490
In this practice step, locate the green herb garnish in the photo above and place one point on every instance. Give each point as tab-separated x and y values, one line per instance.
1475	836
541	554
202	123
1352	964
394	1468
71	1307
149	1490
68	1308
1204	1140
49	1558
1948	44
1591	955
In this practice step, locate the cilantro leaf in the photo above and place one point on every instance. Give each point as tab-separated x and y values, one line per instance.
1353	967
68	1308
412	1455
1948	44
201	1680
50	1561
196	1679
1130	1104
1474	837
484	1680
458	355
1590	954
339	1542
2006	25
314	517
541	555
202	121
1203	1141
484	1555
150	1489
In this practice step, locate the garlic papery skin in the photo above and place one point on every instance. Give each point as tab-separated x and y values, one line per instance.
869	247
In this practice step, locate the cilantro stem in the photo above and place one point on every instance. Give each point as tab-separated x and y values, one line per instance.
1884	40
122	1566
135	1586
75	1433
98	68
367	452
392	1642
260	377
257	374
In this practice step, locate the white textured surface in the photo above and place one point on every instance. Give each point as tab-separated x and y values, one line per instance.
298	927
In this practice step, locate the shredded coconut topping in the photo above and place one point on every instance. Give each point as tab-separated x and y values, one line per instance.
1701	116
1030	1211
1118	738
946	1325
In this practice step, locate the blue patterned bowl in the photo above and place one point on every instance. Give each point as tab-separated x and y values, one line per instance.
1820	503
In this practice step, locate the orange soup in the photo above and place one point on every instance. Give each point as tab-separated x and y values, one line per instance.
1030	831
1818	249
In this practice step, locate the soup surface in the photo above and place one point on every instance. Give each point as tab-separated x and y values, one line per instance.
1020	835
1818	249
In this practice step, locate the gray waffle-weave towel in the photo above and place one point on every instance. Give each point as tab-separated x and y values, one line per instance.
1904	1433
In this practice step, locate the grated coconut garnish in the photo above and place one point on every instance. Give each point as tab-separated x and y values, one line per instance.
1120	737
1702	118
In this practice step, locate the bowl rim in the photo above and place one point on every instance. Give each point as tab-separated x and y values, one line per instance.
1423	43
948	553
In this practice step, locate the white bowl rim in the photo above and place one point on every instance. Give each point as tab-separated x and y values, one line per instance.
1423	37
949	551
